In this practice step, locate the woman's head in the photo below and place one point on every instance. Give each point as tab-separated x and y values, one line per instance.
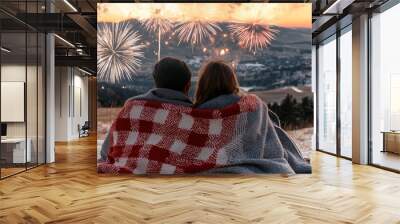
216	78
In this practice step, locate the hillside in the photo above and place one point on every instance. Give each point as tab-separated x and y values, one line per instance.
277	95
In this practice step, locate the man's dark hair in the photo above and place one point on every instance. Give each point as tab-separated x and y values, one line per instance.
171	73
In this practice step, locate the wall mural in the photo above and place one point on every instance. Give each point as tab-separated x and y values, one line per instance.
267	45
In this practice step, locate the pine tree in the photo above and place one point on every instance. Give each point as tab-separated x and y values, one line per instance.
288	112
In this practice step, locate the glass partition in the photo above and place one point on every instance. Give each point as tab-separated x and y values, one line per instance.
14	153
22	95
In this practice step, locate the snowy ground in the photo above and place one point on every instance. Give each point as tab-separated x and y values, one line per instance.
303	137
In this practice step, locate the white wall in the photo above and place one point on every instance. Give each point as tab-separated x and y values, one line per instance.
16	73
71	87
10	73
62	81
80	118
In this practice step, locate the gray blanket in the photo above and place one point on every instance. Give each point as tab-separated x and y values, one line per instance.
278	143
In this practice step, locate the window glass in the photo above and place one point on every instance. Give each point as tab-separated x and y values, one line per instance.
385	89
346	94
327	96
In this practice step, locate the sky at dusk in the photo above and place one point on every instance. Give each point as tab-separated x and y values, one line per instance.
291	15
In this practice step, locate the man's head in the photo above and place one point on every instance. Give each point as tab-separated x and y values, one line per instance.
172	73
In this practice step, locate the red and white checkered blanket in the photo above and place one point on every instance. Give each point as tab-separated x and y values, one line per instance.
150	137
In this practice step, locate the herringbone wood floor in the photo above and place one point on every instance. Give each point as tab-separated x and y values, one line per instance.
70	191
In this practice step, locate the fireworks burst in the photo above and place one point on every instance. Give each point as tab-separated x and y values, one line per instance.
195	32
253	36
159	26
118	52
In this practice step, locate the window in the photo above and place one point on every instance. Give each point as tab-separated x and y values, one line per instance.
385	89
327	95
346	93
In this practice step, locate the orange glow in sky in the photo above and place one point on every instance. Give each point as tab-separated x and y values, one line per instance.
292	15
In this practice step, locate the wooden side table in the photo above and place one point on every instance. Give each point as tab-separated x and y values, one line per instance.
391	141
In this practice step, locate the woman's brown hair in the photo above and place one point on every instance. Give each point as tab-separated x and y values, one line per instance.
215	78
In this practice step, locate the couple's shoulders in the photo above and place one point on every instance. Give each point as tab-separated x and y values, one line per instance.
251	96
252	99
137	97
221	101
230	100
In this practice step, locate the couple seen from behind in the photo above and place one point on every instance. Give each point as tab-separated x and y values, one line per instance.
224	130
